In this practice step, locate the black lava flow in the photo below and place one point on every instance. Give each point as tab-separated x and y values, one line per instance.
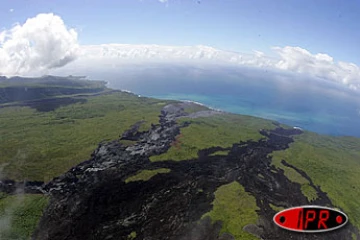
93	201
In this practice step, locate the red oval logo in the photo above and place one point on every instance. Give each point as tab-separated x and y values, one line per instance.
310	219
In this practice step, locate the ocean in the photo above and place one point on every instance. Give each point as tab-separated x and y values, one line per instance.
314	105
319	121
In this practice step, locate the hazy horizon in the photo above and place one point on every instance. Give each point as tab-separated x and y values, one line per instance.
304	103
284	61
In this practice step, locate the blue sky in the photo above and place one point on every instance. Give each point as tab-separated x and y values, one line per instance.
321	26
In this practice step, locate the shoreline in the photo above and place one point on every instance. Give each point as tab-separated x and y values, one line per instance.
290	123
202	104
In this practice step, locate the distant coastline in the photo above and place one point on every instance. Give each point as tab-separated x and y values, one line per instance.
201	104
291	116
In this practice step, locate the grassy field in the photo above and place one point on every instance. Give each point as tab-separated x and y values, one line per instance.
195	108
218	130
276	208
235	208
19	215
41	145
294	176
145	175
332	163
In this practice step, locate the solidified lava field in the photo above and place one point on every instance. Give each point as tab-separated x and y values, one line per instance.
94	201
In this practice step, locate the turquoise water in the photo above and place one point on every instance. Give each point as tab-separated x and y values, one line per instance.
318	123
312	105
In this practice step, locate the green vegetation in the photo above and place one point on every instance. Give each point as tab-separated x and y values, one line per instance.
332	163
132	235
219	130
294	176
276	208
19	215
17	89
2	195
195	108
41	145
235	208
220	153
145	175
260	175
309	192
127	142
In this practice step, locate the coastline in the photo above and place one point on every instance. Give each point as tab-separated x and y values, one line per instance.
312	122
202	104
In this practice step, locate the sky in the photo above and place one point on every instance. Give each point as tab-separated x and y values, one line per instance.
304	35
325	26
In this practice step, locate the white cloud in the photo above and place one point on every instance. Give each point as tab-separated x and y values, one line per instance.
289	59
259	54
41	43
299	60
44	42
11	10
163	1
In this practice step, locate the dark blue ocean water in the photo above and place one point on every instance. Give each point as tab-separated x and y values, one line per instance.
312	105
